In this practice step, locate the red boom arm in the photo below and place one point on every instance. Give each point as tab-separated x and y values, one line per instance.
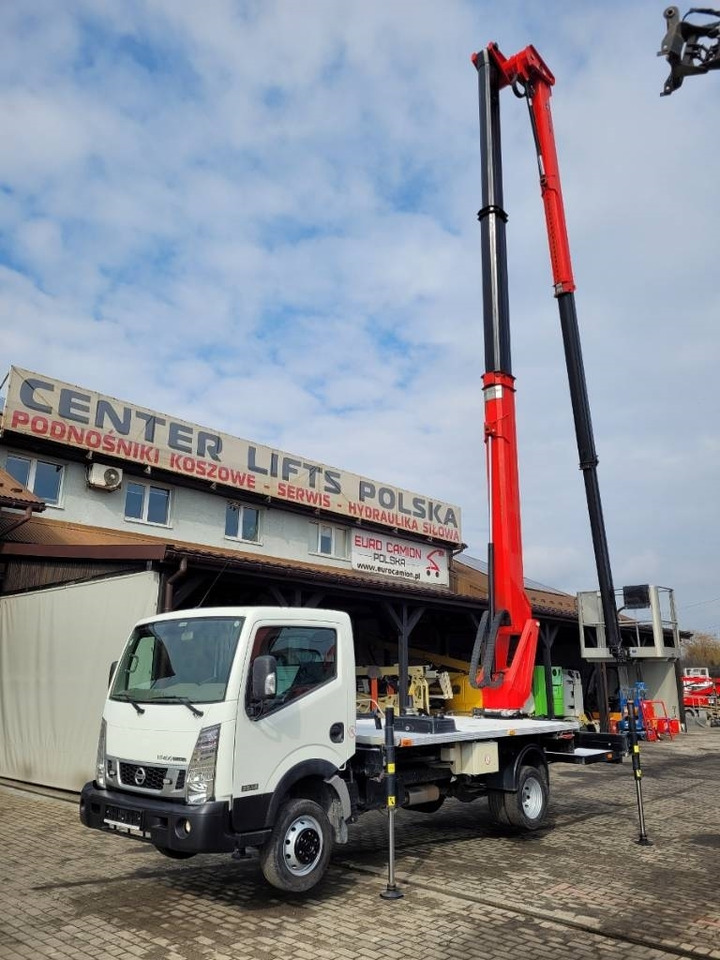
512	667
528	72
505	675
507	639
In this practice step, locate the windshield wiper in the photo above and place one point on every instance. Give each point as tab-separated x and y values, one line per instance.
128	699
185	701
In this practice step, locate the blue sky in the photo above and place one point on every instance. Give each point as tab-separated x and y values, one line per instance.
261	217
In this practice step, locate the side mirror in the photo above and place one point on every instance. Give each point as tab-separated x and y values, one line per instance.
112	671
264	677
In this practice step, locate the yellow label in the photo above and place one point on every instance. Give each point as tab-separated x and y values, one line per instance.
391	768
391	801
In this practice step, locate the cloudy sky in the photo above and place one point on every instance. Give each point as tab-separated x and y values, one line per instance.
259	215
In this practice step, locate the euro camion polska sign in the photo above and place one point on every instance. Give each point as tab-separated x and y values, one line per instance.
50	409
401	559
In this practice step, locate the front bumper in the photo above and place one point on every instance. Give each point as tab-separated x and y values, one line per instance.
164	823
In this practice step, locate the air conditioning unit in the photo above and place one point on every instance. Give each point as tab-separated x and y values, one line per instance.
101	477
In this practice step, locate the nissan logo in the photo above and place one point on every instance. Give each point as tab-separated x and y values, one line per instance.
140	776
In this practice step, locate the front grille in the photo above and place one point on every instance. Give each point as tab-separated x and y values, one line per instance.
180	781
152	780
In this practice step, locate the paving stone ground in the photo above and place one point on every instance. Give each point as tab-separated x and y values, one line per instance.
580	889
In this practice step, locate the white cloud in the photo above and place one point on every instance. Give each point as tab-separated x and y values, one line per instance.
261	217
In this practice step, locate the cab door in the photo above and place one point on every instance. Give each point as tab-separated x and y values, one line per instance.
310	718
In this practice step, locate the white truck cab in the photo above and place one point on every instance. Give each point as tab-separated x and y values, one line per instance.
193	759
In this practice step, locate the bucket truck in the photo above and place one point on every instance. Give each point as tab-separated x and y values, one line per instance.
233	729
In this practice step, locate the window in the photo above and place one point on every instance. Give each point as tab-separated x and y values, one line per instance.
332	541
147	503
306	659
40	476
242	522
174	659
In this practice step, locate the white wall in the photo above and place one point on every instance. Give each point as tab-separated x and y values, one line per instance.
195	516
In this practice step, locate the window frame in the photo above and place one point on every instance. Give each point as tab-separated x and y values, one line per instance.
167	643
147	487
32	476
235	506
336	531
266	636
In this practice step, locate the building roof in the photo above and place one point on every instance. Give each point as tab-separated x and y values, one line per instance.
14	495
42	538
472	581
482	566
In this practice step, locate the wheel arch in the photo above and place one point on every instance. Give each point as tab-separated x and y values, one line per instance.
530	755
314	780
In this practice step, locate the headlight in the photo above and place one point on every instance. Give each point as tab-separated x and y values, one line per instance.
100	761
200	780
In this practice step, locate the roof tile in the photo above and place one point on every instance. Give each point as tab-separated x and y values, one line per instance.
466	581
14	494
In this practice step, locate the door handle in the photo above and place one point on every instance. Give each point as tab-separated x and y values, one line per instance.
337	732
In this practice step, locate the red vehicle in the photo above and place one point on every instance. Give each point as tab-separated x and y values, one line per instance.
700	690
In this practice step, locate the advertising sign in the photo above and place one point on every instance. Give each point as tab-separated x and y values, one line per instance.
420	563
50	409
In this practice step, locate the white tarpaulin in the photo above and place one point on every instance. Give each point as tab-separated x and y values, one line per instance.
56	647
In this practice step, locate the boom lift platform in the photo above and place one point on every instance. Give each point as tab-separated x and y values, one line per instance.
683	46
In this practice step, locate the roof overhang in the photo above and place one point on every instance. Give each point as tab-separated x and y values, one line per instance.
64	551
62	540
14	496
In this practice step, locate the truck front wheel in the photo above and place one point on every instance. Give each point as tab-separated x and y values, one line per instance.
297	853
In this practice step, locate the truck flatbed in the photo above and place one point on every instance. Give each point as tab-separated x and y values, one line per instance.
466	729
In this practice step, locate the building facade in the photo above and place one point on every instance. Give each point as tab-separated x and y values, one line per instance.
144	512
115	512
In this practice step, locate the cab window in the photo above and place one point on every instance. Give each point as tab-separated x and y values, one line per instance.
306	659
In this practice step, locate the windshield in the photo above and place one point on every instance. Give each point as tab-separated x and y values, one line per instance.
171	659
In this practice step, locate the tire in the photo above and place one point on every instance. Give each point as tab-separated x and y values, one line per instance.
697	715
174	854
298	851
496	803
526	808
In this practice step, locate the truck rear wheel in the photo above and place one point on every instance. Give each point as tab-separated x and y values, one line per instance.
525	808
496	802
297	853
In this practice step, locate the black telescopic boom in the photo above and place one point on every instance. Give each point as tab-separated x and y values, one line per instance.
492	217
588	464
